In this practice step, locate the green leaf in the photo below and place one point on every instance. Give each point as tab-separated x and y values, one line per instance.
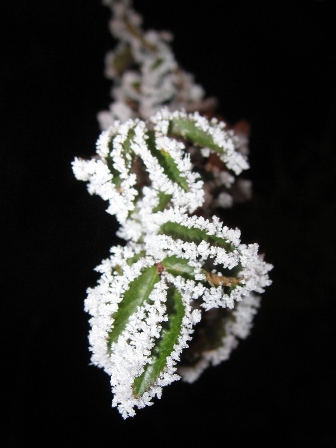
127	154
136	295
157	63
187	129
122	59
165	344
127	147
194	235
163	201
135	258
178	266
167	162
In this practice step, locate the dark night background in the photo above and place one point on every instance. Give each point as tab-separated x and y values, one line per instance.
268	62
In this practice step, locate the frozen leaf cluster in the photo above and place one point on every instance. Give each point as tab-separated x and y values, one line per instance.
181	291
145	77
144	71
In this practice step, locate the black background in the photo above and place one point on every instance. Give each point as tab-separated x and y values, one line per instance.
268	62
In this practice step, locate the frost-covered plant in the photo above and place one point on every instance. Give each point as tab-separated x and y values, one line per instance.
181	291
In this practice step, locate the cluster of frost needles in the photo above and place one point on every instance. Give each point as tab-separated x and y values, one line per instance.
183	289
